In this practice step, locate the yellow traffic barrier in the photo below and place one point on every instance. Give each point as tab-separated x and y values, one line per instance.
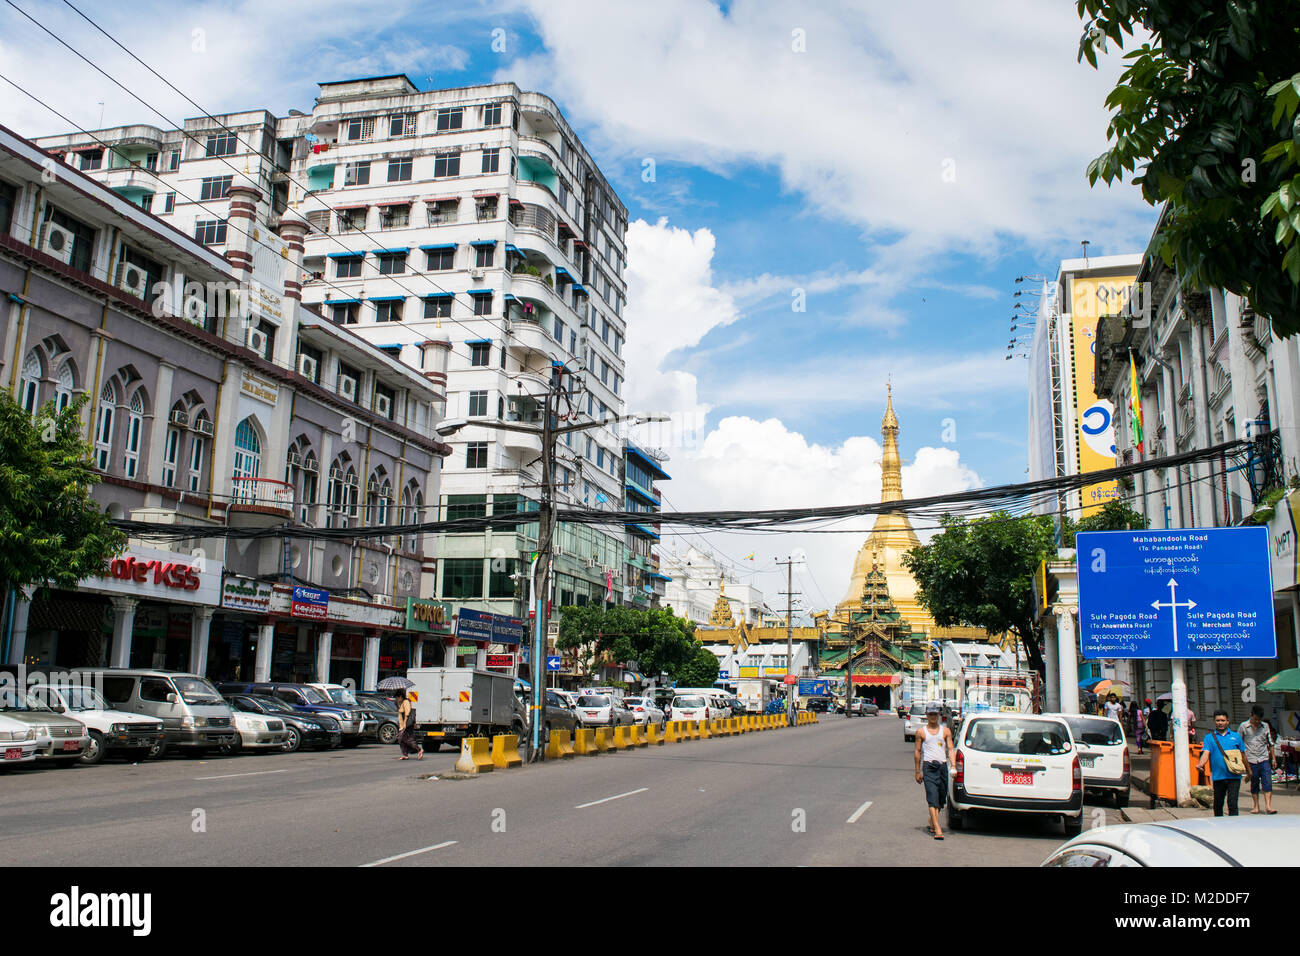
474	756
732	729
603	735
622	738
558	746
690	730
751	724
505	751
652	735
584	743
702	733
637	736
671	736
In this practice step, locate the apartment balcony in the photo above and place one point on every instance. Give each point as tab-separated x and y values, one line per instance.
259	502
529	341
530	217
131	181
520	443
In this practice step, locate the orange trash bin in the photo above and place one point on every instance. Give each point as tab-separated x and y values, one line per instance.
1162	769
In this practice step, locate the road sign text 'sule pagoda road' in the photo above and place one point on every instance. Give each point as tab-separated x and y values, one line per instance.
1191	592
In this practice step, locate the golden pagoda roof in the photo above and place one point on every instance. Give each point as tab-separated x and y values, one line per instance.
722	616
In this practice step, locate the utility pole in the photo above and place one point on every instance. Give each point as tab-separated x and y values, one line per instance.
545	537
789	635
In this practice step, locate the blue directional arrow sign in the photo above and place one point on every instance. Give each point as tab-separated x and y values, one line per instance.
1195	592
553	662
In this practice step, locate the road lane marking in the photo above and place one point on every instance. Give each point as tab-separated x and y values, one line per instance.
253	773
617	796
403	856
859	811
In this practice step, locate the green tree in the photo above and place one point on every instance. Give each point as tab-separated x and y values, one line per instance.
1205	115
655	639
700	671
51	531
979	573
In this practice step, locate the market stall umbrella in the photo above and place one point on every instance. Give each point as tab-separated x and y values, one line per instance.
1165	697
1283	682
1091	682
1105	687
395	683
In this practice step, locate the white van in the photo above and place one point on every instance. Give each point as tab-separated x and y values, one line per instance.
1016	763
109	729
194	716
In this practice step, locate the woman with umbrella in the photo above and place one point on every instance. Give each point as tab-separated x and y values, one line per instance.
405	718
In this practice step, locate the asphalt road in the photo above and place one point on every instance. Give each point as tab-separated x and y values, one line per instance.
841	792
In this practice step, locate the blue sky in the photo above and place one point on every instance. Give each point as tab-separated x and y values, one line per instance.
900	170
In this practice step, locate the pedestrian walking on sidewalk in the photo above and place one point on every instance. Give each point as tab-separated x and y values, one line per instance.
934	752
1139	725
1257	736
1224	752
1158	723
406	728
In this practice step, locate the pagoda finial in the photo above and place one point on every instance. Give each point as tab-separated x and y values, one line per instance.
891	465
722	616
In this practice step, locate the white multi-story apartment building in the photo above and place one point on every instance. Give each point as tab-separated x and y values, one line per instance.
472	217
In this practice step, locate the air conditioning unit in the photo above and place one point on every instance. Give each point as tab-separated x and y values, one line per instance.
382	599
559	551
307	367
514	407
204	426
336	474
552	630
257	341
476	274
351	479
295	459
383	405
348	387
311	464
58	242
132	279
180	418
591	562
372	486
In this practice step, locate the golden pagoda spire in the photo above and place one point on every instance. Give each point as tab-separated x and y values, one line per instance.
891	465
722	616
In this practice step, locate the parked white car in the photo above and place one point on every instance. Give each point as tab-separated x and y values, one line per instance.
1103	755
644	711
1205	841
258	732
17	742
109	729
690	707
1016	763
602	710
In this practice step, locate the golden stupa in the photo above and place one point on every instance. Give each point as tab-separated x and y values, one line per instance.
891	537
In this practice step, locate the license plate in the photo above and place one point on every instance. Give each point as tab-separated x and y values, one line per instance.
13	753
1088	762
71	745
1021	779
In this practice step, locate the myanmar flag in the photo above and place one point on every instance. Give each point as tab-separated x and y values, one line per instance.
1134	403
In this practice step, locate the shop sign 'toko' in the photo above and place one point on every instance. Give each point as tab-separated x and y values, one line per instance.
161	575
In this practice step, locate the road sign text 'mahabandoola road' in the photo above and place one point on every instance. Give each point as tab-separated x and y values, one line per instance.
1176	593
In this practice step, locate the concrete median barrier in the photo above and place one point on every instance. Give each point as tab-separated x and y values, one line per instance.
584	743
475	756
671	734
622	738
636	736
604	737
505	751
559	747
652	735
701	731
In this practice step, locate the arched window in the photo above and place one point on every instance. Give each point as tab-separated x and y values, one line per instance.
134	426
342	493
310	485
198	448
172	449
64	386
379	497
104	425
248	461
29	388
412	513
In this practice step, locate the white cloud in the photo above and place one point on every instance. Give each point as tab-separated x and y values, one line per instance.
950	132
745	464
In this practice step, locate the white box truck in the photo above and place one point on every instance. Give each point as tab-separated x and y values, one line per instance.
452	703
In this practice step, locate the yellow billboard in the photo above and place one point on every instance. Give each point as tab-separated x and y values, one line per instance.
1094	417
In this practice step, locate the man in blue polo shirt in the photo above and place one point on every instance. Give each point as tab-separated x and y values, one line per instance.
1227	784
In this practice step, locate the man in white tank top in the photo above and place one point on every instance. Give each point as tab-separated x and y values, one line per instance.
934	752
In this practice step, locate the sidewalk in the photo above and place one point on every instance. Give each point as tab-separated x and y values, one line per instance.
1286	798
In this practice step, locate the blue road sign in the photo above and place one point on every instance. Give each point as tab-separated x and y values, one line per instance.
812	687
1195	592
723	674
553	662
472	625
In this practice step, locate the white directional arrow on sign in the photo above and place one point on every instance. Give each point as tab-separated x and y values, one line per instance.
1175	605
